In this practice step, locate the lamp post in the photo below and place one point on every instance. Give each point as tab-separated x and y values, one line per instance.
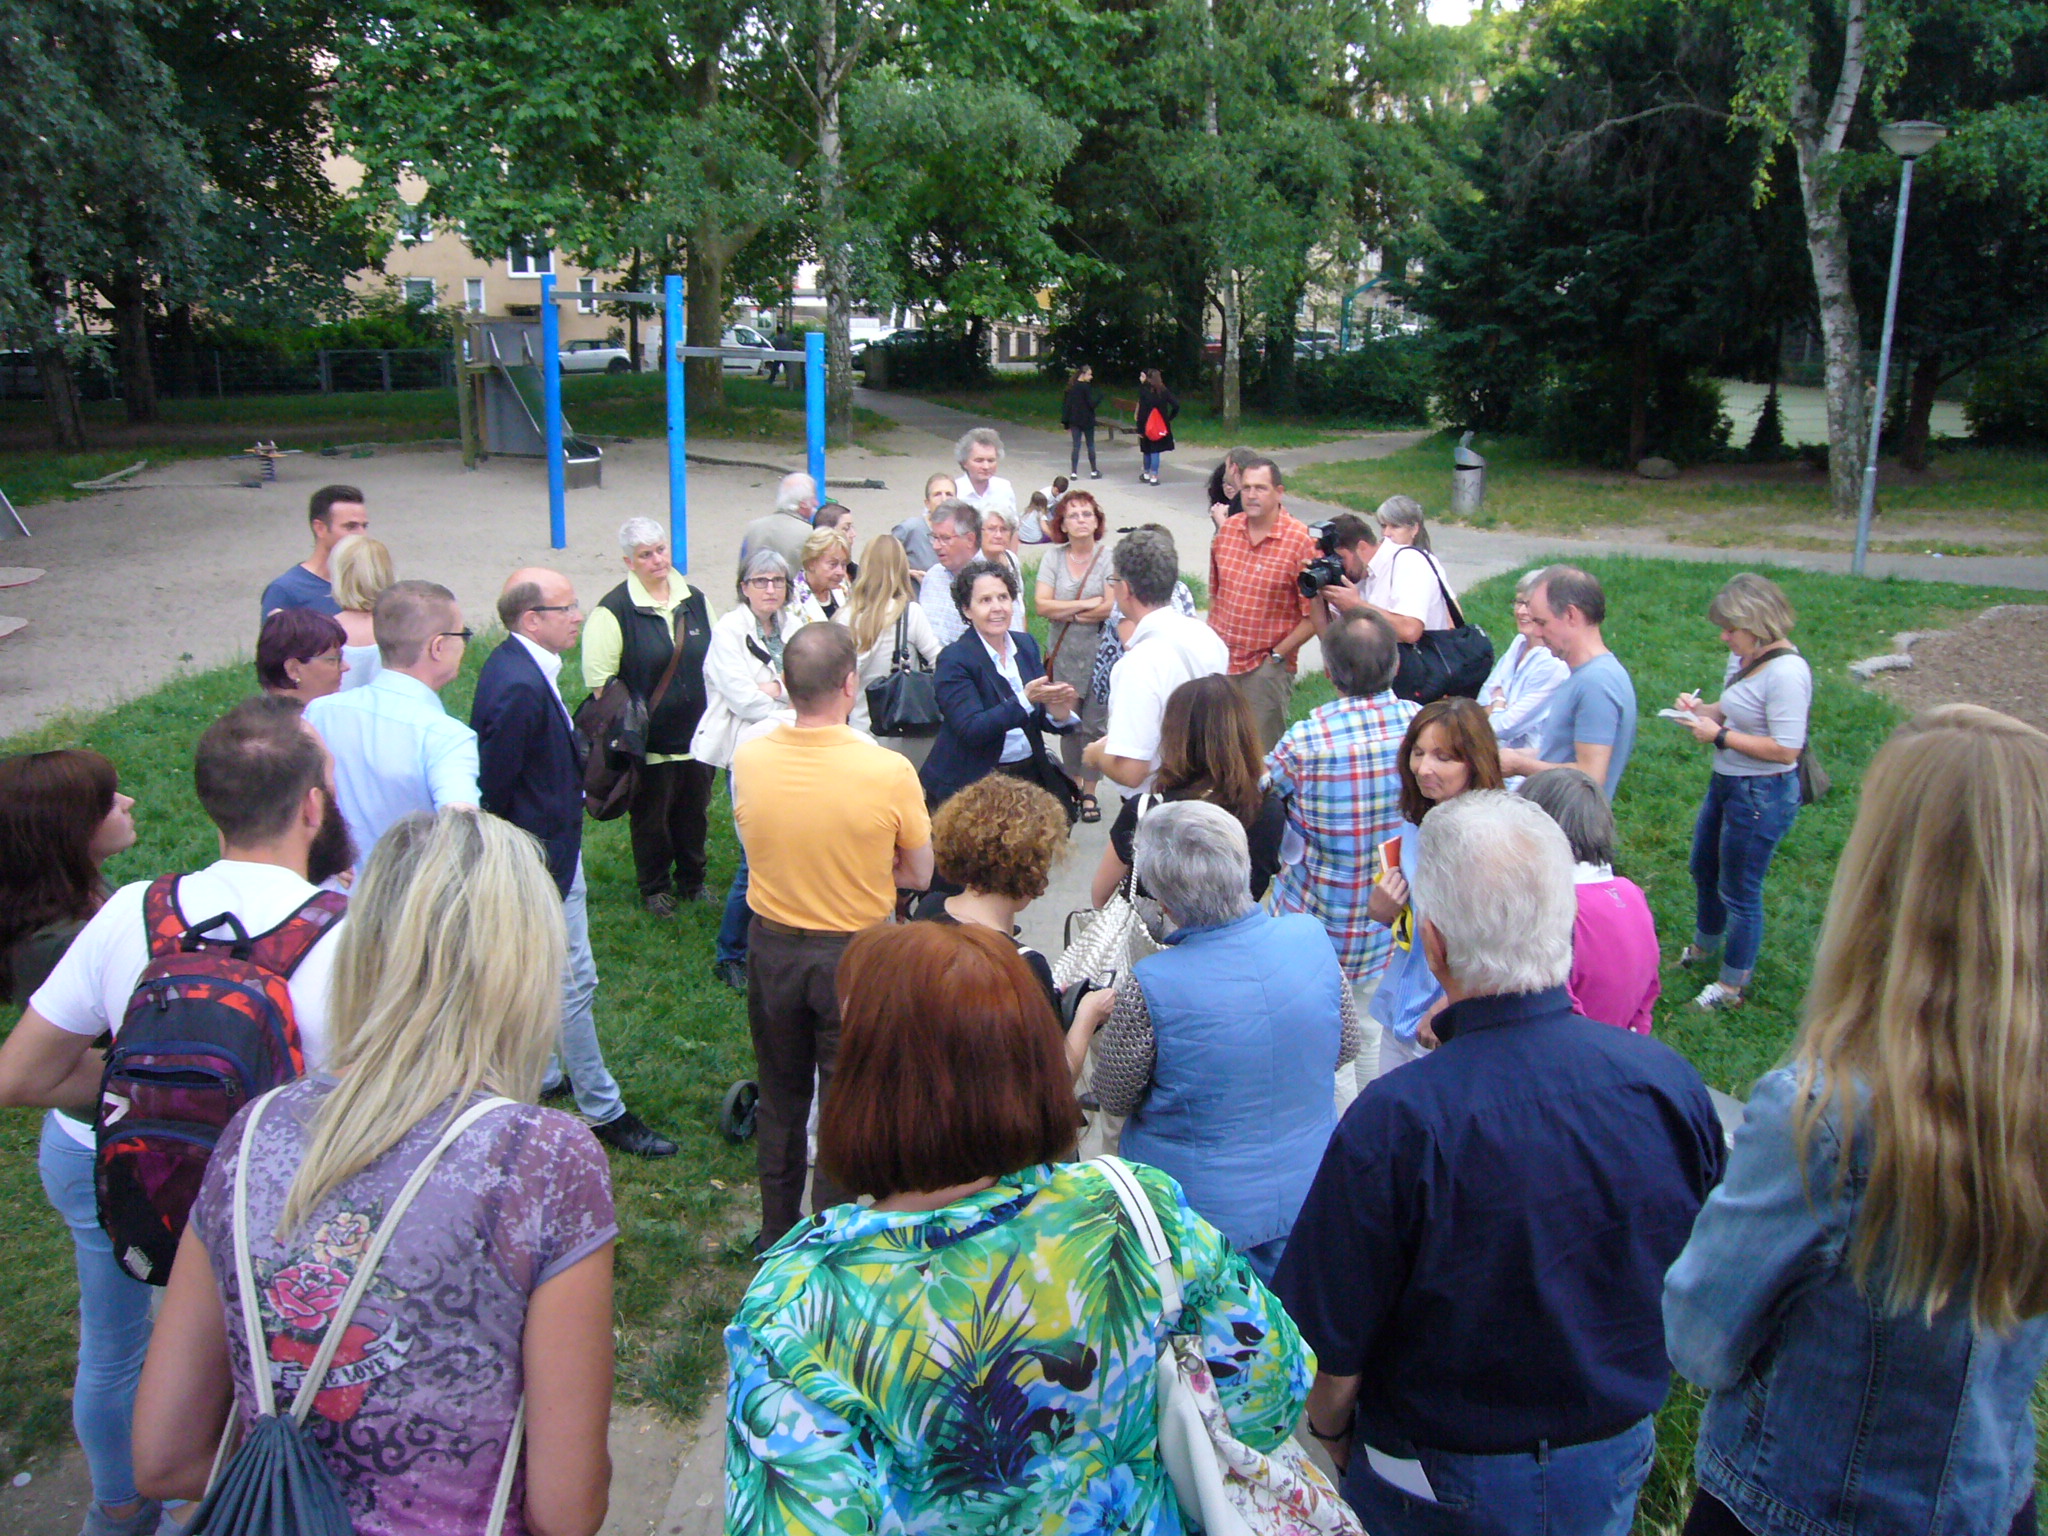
1909	141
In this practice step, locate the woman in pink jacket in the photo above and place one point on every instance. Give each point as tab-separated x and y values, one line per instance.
1614	943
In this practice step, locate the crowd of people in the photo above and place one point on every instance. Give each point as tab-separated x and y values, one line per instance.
1378	1044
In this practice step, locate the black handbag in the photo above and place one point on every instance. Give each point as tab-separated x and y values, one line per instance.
1444	663
906	702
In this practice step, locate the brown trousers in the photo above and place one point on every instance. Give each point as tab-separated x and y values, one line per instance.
1267	688
793	1012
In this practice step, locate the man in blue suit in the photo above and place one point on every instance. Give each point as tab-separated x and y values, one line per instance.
995	701
531	773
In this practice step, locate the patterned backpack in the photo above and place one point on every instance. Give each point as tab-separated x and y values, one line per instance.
208	1028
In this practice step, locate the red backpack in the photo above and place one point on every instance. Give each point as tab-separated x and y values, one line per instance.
208	1028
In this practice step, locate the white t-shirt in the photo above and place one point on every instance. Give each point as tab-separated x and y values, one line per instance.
88	991
1403	579
1000	495
1167	649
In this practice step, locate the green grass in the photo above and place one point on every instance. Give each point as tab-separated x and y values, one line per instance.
623	405
1970	501
1035	402
1657	625
675	1038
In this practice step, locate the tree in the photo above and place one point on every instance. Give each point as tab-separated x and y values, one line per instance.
96	175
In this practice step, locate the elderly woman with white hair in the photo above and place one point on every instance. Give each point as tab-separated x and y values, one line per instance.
1221	1048
633	634
1517	691
978	453
999	545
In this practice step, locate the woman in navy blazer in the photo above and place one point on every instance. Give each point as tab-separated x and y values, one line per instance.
978	704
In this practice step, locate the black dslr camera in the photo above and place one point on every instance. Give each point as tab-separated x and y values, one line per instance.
1326	567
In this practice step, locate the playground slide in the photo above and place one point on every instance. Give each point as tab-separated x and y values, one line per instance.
519	431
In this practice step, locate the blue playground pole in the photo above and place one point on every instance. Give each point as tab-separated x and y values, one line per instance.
678	464
551	408
814	404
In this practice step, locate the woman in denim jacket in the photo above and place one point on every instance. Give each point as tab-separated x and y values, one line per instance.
1864	1295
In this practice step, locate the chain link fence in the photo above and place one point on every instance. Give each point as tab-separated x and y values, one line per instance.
208	372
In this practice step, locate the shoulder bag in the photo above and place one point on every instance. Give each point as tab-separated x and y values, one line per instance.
611	732
906	701
1105	942
278	1480
1444	663
1223	1486
1814	782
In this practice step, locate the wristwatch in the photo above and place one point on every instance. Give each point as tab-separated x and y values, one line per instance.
1721	738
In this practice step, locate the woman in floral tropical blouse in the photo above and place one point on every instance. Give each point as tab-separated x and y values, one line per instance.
975	1352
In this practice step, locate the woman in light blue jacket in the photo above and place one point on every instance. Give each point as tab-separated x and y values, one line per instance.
1518	689
1866	1293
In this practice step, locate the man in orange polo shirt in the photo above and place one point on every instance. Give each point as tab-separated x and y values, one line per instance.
1254	602
833	826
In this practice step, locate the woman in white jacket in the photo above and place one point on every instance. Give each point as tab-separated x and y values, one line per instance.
743	697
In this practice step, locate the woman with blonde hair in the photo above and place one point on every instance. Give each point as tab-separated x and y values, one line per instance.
821	579
885	616
362	570
502	1266
1757	731
1865	1294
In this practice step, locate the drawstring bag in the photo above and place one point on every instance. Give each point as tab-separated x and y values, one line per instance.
278	1483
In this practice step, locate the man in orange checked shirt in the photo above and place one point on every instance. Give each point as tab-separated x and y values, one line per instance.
1254	602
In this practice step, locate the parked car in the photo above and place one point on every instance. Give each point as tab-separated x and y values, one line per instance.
896	341
746	336
595	357
859	349
1308	344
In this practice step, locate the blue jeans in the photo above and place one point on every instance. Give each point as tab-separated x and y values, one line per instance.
1151	462
1740	825
580	1054
1076	436
732	929
113	1320
1580	1490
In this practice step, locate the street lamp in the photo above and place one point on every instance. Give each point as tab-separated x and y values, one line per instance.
1909	141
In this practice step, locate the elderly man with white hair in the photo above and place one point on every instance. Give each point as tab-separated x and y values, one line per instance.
978	453
956	542
785	529
1479	1265
633	634
1220	1048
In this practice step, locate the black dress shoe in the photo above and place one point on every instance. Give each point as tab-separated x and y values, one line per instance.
732	972
562	1090
631	1135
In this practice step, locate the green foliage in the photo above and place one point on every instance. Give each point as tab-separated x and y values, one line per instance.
1767	443
2008	404
380	319
1582	416
1386	380
947	358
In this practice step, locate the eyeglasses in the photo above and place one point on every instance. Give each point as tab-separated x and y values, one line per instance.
556	608
464	635
767	583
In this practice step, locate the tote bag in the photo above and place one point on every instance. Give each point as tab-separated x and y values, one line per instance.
906	701
1444	663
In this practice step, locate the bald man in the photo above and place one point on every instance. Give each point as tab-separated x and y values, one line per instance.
531	773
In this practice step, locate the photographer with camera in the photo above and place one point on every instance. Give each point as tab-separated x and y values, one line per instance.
1255	603
1356	570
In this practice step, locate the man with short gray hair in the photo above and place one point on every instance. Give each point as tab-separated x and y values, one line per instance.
1479	1264
1165	648
956	544
1591	722
1189	1052
396	749
785	529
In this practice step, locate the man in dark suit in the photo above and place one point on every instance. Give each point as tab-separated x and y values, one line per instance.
995	701
531	773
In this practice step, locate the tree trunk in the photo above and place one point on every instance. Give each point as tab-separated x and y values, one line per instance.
1282	393
1638	399
181	349
1233	362
834	271
130	302
1913	435
1817	134
704	318
60	395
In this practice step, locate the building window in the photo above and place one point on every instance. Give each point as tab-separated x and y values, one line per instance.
586	285
414	226
526	260
473	295
419	293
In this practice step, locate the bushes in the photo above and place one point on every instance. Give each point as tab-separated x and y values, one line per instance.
2008	404
1582	414
927	360
1387	380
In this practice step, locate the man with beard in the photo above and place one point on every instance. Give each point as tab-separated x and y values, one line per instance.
396	750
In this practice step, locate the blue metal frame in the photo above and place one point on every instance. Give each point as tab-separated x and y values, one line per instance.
551	408
678	426
814	405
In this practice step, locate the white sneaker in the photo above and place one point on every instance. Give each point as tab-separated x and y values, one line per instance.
1714	995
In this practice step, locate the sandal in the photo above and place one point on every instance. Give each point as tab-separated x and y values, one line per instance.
1090	811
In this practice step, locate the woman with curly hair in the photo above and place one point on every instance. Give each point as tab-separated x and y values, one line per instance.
998	838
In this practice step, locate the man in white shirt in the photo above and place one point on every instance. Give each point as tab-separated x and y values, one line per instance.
978	453
1166	648
956	542
396	750
1401	580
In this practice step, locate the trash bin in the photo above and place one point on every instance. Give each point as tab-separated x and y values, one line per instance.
1468	479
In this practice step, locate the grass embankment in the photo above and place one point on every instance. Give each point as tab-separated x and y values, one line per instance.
1035	402
1970	501
676	1040
608	405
